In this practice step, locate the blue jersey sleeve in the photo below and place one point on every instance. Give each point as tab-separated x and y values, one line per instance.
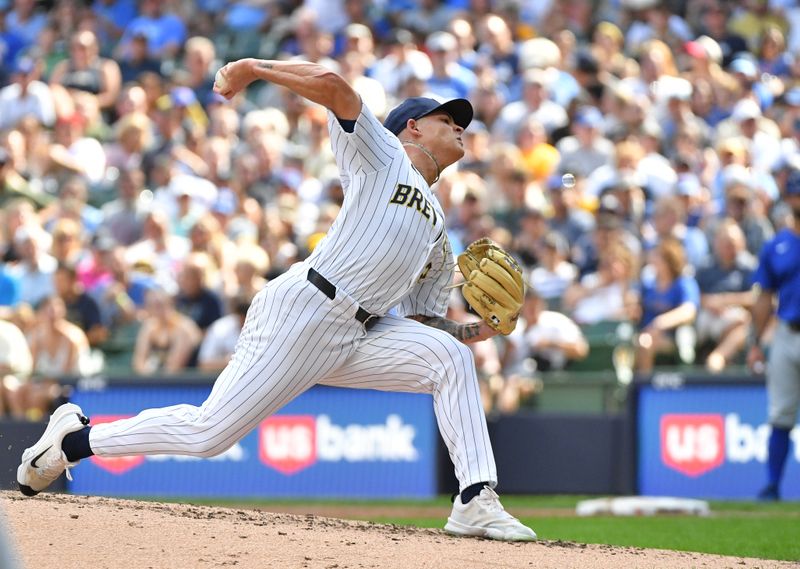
763	276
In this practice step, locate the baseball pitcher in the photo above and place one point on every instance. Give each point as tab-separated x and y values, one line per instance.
326	321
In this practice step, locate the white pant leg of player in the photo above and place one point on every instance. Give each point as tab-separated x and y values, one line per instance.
293	335
403	355
783	402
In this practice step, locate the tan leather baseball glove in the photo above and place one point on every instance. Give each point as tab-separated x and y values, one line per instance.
494	287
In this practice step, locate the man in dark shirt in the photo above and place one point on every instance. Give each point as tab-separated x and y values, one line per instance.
195	299
714	23
725	296
82	309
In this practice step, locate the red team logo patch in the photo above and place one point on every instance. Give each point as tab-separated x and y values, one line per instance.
693	444
288	443
114	464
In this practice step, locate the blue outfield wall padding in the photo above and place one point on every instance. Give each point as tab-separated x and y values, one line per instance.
327	443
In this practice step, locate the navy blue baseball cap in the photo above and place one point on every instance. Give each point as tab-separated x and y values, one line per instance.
417	107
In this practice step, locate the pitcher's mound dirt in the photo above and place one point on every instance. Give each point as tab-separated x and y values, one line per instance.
60	531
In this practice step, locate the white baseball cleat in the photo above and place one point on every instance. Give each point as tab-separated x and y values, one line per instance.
45	461
484	516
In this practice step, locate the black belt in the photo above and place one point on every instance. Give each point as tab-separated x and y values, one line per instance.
794	326
327	288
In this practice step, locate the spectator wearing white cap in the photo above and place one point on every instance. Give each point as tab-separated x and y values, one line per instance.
535	104
669	220
554	272
358	40
675	96
760	134
449	79
742	205
401	62
745	71
548	56
26	96
35	269
587	149
659	175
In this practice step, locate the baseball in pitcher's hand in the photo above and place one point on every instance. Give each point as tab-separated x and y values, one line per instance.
234	77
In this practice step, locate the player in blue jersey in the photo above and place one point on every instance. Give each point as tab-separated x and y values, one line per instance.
779	273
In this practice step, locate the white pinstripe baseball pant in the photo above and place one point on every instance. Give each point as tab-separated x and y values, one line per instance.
295	337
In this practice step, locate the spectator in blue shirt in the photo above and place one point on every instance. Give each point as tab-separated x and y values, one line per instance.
195	299
772	56
670	299
449	79
724	282
165	32
82	309
9	287
26	21
11	44
113	17
669	220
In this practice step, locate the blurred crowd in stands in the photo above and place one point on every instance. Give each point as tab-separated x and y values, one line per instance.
631	153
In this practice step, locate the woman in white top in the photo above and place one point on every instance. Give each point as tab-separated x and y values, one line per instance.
607	294
15	366
167	338
59	349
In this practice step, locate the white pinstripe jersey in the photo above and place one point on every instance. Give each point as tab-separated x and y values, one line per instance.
388	246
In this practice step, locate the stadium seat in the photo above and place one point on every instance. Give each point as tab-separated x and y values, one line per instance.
603	338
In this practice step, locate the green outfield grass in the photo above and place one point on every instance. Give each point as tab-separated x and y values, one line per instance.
744	529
